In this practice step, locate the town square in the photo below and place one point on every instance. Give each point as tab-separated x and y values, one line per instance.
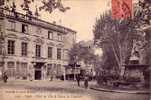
75	49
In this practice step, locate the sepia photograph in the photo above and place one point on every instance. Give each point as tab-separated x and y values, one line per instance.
75	49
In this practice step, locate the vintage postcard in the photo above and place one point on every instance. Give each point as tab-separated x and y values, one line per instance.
75	49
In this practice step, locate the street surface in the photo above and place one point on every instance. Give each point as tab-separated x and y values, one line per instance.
58	90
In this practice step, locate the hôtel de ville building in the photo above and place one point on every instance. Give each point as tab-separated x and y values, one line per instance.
31	48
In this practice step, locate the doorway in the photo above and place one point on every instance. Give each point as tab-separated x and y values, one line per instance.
38	71
37	74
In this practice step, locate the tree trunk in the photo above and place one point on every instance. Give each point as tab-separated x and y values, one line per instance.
116	57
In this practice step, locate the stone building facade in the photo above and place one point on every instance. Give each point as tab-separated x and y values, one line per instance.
31	48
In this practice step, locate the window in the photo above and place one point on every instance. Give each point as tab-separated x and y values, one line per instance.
18	71
24	28
49	52
66	55
0	28
23	69
1	64
11	69
59	53
2	49
49	69
1	32
12	25
59	71
38	30
38	50
11	47
50	35
24	49
59	36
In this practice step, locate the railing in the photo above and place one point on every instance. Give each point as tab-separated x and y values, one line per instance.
31	18
9	13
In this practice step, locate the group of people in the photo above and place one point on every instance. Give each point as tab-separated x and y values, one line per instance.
5	77
78	78
86	80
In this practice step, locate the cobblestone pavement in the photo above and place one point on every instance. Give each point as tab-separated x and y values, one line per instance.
59	90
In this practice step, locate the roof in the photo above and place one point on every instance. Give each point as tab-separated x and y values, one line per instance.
34	21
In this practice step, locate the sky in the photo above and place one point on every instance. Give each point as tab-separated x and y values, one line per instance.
81	17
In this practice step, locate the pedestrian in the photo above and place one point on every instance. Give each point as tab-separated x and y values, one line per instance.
5	77
51	77
78	80
30	77
86	79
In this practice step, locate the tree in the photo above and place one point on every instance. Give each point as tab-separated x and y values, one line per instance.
116	39
143	25
81	53
47	5
51	5
145	15
118	36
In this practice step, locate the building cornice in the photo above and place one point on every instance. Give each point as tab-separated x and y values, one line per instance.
34	21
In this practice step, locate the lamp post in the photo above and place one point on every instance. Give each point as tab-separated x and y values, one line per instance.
64	73
74	71
75	64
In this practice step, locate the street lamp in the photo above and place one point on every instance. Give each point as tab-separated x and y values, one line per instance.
75	64
74	71
64	73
